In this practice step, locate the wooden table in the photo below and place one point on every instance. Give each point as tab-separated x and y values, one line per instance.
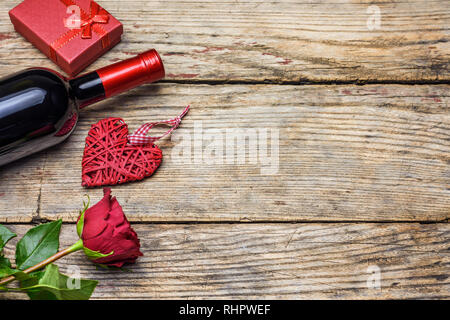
363	181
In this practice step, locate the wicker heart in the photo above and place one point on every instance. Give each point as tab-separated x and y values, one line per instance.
110	160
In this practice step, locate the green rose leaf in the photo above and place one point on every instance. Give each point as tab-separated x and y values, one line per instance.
80	223
52	285
5	236
25	279
5	264
94	255
5	272
28	279
38	244
5	267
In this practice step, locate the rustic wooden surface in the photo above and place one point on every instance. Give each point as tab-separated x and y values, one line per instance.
295	261
365	153
278	41
364	125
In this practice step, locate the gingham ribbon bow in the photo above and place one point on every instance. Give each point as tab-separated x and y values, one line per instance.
139	137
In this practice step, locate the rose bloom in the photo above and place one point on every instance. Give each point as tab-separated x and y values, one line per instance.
106	230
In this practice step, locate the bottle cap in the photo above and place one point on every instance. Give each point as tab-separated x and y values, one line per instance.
146	67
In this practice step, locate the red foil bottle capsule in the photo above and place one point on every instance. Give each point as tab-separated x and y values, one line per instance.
147	67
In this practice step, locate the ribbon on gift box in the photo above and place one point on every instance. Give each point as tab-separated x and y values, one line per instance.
89	23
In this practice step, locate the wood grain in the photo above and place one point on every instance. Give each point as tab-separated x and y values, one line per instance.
367	153
20	188
275	41
351	156
281	261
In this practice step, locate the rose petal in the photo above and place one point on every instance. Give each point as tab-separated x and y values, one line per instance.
106	230
94	217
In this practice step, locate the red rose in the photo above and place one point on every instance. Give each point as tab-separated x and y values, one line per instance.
106	233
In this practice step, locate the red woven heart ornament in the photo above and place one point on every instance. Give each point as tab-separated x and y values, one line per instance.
112	156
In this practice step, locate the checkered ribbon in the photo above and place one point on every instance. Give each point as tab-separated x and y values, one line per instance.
139	137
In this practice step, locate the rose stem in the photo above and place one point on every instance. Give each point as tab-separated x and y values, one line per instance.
77	246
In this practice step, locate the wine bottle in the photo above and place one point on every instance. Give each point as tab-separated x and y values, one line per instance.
39	108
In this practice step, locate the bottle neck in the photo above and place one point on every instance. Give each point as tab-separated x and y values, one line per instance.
87	89
112	80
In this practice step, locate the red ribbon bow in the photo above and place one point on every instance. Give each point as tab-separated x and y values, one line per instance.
90	23
98	15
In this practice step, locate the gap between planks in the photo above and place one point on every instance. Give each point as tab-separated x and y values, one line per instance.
356	82
37	221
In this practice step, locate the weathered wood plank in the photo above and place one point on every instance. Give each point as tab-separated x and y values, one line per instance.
256	40
346	153
20	186
282	261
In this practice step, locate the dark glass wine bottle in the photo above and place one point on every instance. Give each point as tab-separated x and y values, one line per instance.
39	107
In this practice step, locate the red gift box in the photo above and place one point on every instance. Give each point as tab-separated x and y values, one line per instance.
72	33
